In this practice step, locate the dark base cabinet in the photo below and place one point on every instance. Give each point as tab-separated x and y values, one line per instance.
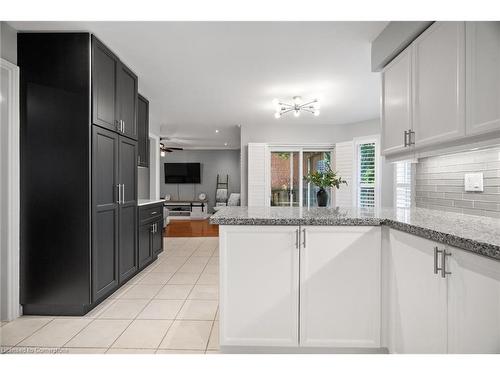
150	233
78	167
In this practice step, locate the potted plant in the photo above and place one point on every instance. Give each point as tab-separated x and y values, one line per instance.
326	179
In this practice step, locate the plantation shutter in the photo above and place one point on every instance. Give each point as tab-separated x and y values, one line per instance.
344	166
403	184
366	176
257	170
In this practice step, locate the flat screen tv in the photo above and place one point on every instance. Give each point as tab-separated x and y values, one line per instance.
182	173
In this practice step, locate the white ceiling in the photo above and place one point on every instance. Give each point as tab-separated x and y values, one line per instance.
203	76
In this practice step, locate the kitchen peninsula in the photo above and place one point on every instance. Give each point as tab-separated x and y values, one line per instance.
358	280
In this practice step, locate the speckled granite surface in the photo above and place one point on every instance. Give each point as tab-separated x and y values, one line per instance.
480	235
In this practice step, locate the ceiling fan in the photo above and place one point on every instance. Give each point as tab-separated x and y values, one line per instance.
164	148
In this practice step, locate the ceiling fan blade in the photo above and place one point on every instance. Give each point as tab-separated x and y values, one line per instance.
176	148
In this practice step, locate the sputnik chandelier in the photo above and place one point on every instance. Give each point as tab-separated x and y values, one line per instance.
297	107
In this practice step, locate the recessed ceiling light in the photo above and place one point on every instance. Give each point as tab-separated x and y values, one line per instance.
225	143
216	130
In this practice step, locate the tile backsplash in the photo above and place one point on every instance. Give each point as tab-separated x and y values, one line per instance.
440	182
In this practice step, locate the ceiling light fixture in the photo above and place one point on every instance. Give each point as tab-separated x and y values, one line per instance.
297	107
216	130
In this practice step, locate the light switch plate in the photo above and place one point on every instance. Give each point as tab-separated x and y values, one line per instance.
473	182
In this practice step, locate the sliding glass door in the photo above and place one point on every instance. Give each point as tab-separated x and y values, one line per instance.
285	177
314	161
287	170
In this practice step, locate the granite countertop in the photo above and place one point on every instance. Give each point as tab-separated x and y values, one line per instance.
478	234
145	202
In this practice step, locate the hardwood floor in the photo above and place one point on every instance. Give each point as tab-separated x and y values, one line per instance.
191	228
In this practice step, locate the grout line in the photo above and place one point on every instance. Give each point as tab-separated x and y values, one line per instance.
178	312
27	337
113	301
210	333
173	320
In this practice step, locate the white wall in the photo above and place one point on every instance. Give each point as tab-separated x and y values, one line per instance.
8	42
282	132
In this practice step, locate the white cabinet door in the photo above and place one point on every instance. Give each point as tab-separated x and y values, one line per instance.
259	286
417	297
473	303
483	77
340	287
396	102
438	84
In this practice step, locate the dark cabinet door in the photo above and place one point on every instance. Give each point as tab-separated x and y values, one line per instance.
104	96
145	248
157	238
128	207
105	212
127	101
143	129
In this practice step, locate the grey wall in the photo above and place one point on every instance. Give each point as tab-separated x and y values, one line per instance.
8	42
396	36
279	132
213	162
440	182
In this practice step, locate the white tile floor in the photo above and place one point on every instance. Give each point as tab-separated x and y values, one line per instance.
171	307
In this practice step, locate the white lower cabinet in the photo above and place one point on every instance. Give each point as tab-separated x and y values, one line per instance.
416	296
453	312
346	287
259	286
473	303
340	287
339	294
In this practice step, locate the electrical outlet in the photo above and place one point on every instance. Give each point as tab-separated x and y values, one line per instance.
473	182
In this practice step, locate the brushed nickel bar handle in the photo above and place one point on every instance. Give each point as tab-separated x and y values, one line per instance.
405	138
436	252
123	193
297	238
119	194
444	254
411	137
304	242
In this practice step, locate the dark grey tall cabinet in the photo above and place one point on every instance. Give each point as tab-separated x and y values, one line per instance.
143	125
78	172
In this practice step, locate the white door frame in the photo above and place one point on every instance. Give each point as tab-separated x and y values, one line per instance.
9	297
154	166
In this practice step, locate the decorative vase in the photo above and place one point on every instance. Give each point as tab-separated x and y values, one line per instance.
322	197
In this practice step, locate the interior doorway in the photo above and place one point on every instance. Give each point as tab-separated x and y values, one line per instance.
9	191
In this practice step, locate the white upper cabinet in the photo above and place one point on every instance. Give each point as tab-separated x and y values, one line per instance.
417	296
340	287
439	83
473	303
396	102
483	77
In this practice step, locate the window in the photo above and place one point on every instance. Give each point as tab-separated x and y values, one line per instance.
402	189
366	158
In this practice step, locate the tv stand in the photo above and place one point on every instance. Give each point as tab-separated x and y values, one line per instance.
184	207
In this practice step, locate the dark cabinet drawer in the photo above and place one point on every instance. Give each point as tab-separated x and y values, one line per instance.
150	212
